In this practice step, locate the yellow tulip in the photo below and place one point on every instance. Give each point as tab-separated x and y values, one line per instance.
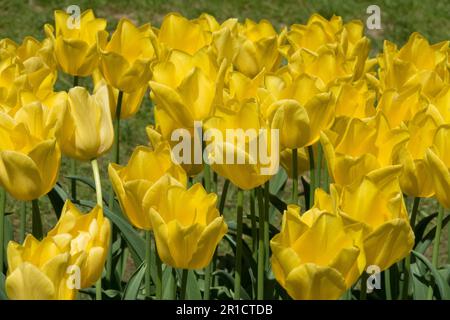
187	227
89	234
354	100
125	59
310	264
75	48
41	270
87	130
416	63
438	163
376	203
29	155
185	35
354	147
131	101
145	178
233	158
415	179
185	89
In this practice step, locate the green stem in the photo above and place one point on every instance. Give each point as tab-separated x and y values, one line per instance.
184	276
387	284
363	292
23	220
158	281
223	197
407	263
2	227
266	223
208	269
260	273
98	192
37	222
437	241
294	176
75	81
319	165
312	178
237	276
73	162
148	262
253	217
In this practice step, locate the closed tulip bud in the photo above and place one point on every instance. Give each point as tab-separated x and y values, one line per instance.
376	203
310	264
248	159
144	180
75	48
354	147
87	130
187	227
415	180
131	101
438	162
89	234
29	155
125	59
41	270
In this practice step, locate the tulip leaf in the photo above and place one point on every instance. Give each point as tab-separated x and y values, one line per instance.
2	287
419	229
88	182
169	281
443	287
193	291
419	283
278	181
57	197
277	203
430	234
134	284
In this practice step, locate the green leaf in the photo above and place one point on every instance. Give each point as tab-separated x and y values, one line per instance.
278	181
438	279
2	287
169	283
134	284
277	203
193	291
57	197
419	283
419	230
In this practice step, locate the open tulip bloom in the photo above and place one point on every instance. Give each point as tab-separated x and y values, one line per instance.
243	113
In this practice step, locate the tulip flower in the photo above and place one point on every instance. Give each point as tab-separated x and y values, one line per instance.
242	159
75	48
29	155
131	102
354	147
125	59
415	179
41	270
144	180
376	203
310	264
185	35
187	227
417	63
438	162
88	233
354	100
87	131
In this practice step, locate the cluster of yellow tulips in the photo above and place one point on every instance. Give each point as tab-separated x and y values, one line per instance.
362	133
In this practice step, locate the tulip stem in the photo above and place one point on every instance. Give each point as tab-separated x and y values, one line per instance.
37	222
116	147
23	220
260	287
253	216
158	281
437	241
407	263
294	176
184	275
319	165
266	223
98	192
2	226
387	284
237	276
312	176
148	262
73	162
223	197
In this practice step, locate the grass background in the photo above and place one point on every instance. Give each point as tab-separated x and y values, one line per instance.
20	18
